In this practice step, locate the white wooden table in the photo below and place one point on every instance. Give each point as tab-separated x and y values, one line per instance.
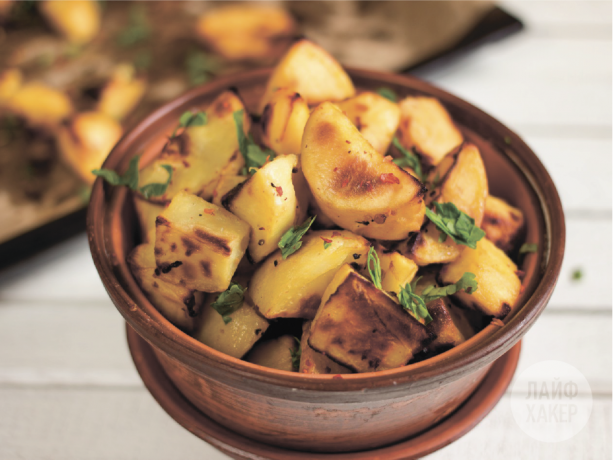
69	390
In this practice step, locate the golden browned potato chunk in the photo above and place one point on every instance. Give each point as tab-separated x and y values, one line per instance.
40	105
311	71
313	362
176	303
363	328
122	93
77	20
267	202
225	184
427	128
10	81
147	212
354	185
198	244
247	31
502	223
201	154
496	276
443	326
275	353
376	117
234	338
85	142
292	288
396	270
283	121
425	248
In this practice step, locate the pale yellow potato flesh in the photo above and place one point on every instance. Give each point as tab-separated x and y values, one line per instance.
77	20
311	71
502	223
355	186
275	353
313	362
283	121
292	288
147	213
225	184
199	245
10	81
425	248
396	270
376	117
122	93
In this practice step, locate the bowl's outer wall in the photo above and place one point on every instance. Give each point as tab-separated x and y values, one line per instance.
225	387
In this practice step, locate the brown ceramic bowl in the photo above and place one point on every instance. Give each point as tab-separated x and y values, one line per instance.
326	413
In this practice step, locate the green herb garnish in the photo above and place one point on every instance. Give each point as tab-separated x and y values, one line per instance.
456	224
413	303
327	245
528	247
138	28
387	93
467	284
130	179
200	67
577	274
409	159
229	301
291	240
296	354
255	157
375	271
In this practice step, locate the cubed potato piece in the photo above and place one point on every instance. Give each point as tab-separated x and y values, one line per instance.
502	223
246	31
283	122
464	320
267	202
40	105
85	142
425	248
354	185
201	154
225	184
122	93
292	288
198	244
443	326
396	270
235	338
275	353
496	276
147	212
311	71
176	303
313	362
376	117
77	20
462	181
427	128
10	81
363	327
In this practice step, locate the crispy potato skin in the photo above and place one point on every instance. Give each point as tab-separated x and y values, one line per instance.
376	118
443	326
235	338
353	184
176	303
426	127
502	223
283	121
277	210
225	184
199	245
363	328
274	353
425	247
292	288
200	155
311	71
313	362
496	276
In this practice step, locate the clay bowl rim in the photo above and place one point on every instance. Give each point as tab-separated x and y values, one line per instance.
486	346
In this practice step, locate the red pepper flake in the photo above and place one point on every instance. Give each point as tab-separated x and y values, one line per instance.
335	169
262	228
345	182
279	191
267	159
214	193
209	212
326	240
388	158
497	322
348	142
336	234
337	376
389	178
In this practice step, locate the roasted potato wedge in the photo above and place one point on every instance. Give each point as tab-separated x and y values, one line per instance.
122	92
201	154
85	142
426	128
235	338
40	105
176	303
354	185
292	288
311	71
363	327
198	244
275	353
499	285
283	121
502	223
313	362
443	326
376	117
425	248
277	210
77	20
225	184
147	213
396	270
